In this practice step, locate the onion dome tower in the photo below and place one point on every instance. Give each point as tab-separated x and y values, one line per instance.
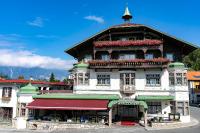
127	15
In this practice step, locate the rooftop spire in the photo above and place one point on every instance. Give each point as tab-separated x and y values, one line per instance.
127	15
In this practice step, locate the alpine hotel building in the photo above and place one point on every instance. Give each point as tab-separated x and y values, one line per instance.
129	72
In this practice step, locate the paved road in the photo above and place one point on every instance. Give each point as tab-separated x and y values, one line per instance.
195	112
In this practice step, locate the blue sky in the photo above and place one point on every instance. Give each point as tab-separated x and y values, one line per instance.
40	30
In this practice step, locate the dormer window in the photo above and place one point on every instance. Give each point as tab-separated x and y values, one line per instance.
105	57
87	57
149	56
170	56
127	56
124	39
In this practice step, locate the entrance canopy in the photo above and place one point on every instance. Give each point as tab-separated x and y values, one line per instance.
127	102
68	104
155	97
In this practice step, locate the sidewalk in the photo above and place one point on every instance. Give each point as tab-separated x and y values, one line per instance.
193	122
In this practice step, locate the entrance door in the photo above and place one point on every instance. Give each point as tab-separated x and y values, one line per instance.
128	112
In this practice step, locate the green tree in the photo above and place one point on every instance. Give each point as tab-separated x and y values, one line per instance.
52	78
193	60
21	77
4	76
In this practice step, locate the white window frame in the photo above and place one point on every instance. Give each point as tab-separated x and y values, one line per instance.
103	79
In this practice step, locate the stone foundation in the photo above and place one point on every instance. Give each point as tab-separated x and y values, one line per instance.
48	125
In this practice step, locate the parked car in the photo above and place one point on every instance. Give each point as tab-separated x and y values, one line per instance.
52	117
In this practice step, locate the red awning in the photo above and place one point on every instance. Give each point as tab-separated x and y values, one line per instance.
63	104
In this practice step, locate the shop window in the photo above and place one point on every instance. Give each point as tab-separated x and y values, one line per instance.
103	79
154	107
7	92
153	79
127	78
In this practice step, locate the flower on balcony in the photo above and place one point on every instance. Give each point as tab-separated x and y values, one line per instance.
146	42
128	62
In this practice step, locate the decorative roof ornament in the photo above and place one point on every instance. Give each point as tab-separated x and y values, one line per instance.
127	15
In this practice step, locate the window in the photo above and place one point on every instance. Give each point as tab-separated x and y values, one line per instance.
153	79
180	107
154	107
183	107
148	56
23	109
170	56
171	79
7	92
185	79
124	38
126	56
87	58
179	78
127	78
103	79
81	79
105	57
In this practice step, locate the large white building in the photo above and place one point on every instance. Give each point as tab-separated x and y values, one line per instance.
137	63
126	73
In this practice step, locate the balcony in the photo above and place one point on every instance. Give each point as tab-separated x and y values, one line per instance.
136	63
127	89
126	43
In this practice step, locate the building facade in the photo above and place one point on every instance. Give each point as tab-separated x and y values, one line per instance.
194	86
137	63
13	103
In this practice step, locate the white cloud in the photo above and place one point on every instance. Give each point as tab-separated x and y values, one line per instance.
10	40
46	36
37	22
95	18
28	59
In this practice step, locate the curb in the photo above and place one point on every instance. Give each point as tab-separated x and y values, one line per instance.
192	123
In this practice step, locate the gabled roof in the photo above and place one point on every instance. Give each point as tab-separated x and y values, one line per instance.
193	75
126	25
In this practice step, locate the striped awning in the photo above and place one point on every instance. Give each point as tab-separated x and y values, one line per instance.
127	102
65	104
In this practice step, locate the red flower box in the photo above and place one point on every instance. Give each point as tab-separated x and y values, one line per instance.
126	43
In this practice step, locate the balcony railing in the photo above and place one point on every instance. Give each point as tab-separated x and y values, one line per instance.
136	63
126	43
127	89
55	91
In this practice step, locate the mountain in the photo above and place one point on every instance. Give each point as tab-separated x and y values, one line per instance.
35	73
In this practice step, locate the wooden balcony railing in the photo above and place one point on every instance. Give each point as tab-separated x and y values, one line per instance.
126	43
136	63
127	89
55	91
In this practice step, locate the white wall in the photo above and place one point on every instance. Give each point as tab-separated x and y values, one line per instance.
13	101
